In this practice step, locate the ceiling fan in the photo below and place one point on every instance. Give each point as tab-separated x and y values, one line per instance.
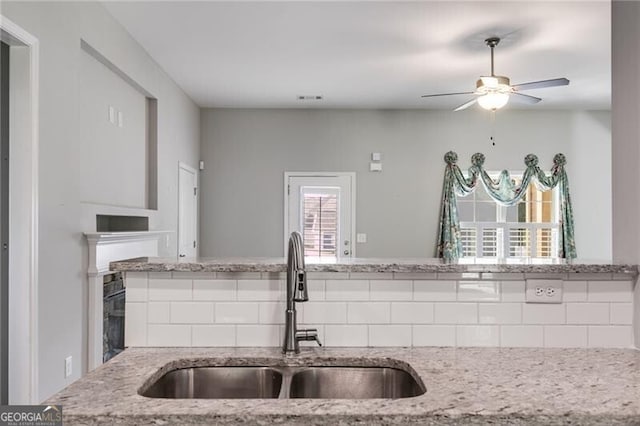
493	91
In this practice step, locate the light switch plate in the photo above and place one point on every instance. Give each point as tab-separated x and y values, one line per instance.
544	291
376	156
375	167
112	115
361	238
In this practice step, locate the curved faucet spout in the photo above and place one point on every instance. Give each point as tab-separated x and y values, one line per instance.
296	292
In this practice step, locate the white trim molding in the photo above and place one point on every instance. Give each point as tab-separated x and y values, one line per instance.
17	36
104	248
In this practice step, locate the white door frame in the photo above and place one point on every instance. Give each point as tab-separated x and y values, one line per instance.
190	169
28	310
350	175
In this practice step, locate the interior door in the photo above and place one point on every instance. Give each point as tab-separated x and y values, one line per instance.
320	207
187	211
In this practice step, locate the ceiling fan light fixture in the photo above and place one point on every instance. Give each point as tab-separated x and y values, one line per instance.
493	101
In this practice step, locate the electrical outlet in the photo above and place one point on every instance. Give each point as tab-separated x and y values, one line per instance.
544	291
68	366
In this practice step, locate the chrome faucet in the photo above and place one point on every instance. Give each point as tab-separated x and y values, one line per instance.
296	292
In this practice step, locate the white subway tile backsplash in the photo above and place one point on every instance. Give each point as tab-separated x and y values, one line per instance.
621	313
170	289
169	335
238	275
159	312
274	312
237	313
327	275
513	291
574	291
414	275
259	290
434	335
213	335
159	275
325	313
502	276
587	313
458	275
534	313
389	335
521	336
456	313
137	284
434	291
346	335
610	291
612	336
469	291
315	289
500	313
567	336
240	309
341	290
412	312
135	331
191	312
371	276
368	313
477	335
391	290
214	290
193	275
258	335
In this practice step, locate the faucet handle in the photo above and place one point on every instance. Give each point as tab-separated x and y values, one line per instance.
308	335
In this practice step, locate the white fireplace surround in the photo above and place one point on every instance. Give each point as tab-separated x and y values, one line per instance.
104	248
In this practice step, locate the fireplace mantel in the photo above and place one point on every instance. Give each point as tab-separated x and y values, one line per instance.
106	247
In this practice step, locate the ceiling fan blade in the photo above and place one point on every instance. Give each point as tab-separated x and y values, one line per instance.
466	104
527	99
541	84
447	94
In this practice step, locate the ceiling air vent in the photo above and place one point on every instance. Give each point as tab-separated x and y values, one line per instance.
309	97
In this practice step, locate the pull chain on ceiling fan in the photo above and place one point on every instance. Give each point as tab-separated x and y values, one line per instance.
493	91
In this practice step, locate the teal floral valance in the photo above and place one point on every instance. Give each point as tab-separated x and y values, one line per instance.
503	191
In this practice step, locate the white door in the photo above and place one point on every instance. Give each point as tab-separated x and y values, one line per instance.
187	211
322	208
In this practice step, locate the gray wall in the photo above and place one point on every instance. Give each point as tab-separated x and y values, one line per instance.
247	151
63	209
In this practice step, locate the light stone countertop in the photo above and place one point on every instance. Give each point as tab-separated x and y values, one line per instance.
400	265
464	386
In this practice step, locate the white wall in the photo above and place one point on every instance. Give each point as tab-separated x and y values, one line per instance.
625	107
122	151
63	216
246	153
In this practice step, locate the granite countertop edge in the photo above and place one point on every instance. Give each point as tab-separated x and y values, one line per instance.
464	386
362	265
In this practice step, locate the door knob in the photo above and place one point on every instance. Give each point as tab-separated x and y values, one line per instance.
346	252
183	255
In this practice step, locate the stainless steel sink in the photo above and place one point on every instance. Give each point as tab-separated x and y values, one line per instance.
283	382
354	383
217	382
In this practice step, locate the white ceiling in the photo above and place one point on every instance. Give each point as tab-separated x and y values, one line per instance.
373	54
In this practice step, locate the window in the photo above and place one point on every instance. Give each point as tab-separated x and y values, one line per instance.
528	229
320	212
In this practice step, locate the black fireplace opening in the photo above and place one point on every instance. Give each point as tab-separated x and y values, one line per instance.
113	315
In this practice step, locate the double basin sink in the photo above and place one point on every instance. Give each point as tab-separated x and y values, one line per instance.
285	382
